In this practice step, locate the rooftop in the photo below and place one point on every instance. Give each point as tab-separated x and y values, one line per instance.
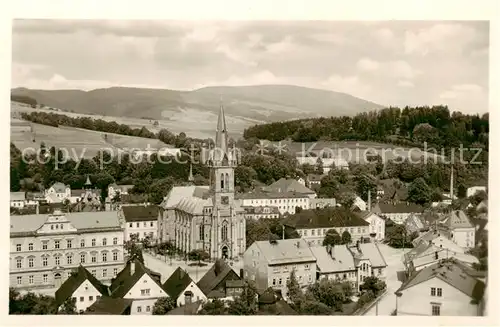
288	185
17	196
325	218
140	213
125	280
177	193
219	270
458	219
335	259
109	306
286	251
388	208
176	283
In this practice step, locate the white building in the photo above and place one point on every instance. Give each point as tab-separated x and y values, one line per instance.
286	202
114	189
57	193
377	224
328	163
182	289
319	203
462	231
398	212
290	185
17	200
140	220
270	263
44	249
442	289
139	284
83	288
359	203
475	189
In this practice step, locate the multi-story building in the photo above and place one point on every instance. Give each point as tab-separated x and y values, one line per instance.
398	212
140	220
319	203
377	224
284	185
114	189
286	202
212	221
441	289
270	263
45	249
313	225
262	212
57	193
17	199
461	230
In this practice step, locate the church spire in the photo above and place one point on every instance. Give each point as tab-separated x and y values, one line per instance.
221	135
88	183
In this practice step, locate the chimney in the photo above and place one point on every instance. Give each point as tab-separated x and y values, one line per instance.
242	275
369	201
132	267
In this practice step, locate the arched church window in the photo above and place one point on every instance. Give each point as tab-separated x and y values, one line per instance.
224	231
202	231
227	181
221	181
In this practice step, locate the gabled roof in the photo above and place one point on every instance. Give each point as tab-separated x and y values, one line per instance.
177	193
59	187
177	283
413	223
325	218
109	306
451	273
17	196
193	205
458	219
187	309
214	276
285	251
339	259
369	251
74	281
140	213
124	281
386	208
288	185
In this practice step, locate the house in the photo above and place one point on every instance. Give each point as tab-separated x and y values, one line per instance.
471	191
58	192
139	284
269	263
413	224
110	306
398	212
319	203
289	185
391	190
286	202
221	282
380	192
369	261
141	220
441	289
377	224
187	309
301	181
313	225
262	212
338	162
335	263
359	204
461	229
17	200
182	289
114	190
83	287
314	180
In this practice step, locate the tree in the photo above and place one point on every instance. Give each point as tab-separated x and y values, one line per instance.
397	236
332	238
31	303
246	303
319	166
346	199
295	294
364	185
329	187
331	293
214	308
68	307
163	305
346	237
198	255
373	284
419	192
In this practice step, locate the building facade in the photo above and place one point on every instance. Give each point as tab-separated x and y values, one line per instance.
44	250
141	221
286	202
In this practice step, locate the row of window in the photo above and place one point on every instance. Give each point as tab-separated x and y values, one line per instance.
45	277
279	281
91	298
69	259
322	231
277	269
279	201
69	244
436	291
138	225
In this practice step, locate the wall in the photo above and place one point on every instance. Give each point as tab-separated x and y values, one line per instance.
89	294
142	227
305	272
255	267
284	205
464	237
197	294
144	300
377	225
417	300
319	233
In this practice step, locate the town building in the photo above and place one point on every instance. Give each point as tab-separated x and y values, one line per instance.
45	249
319	203
114	190
286	202
314	180
270	263
141	221
110	306
262	212
337	162
289	185
212	221
441	289
398	212
369	261
83	288
413	224
313	225
139	284
221	282
17	200
336	263
462	232
471	191
57	193
377	224
359	204
182	289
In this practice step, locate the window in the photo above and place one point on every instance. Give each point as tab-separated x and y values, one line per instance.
312	232
82	298
439	292
57	260
115	240
137	225
115	256
19	280
305	232
274	281
306	267
104	273
31	262
19	263
145	224
279	281
310	278
436	310
45	245
91	298
300	278
30	279
97	297
82	243
18	247
151	224
104	256
68	244
82	258
93	272
45	261
115	272
139	309
433	291
30	247
93	242
69	259
104	242
130	225
93	258
45	278
145	291
224	232
56	244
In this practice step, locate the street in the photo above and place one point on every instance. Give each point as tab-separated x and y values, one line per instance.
393	258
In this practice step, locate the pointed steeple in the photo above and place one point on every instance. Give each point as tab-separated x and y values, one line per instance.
191	178
88	183
221	135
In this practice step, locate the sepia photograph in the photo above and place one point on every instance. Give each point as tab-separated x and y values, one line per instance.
249	167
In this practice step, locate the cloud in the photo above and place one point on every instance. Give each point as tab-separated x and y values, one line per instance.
367	64
466	97
405	83
402	69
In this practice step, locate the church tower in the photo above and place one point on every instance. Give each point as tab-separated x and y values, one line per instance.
225	226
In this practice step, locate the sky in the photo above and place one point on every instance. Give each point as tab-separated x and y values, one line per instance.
394	63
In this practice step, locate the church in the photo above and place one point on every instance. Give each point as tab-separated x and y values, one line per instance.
207	217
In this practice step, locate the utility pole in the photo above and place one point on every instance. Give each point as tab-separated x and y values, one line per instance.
283	231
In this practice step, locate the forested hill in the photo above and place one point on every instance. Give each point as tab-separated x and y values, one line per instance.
409	126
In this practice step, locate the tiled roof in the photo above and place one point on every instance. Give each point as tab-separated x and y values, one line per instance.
17	196
324	218
413	224
176	283
59	187
372	252
286	251
140	213
288	185
186	309
458	219
214	276
74	281
400	208
451	273
177	193
340	259
193	205
271	195
109	306
124	281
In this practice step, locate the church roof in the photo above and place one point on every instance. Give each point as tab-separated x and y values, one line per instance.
193	205
177	193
